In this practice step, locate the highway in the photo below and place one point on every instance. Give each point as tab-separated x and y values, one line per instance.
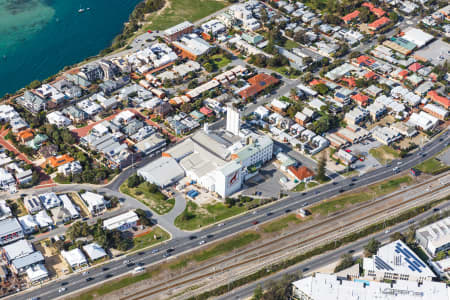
116	267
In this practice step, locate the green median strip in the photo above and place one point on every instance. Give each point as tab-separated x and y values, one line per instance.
282	223
376	190
223	247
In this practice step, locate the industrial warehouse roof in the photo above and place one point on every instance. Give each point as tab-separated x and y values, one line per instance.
330	287
162	172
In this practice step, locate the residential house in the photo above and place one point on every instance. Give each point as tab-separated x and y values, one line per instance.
122	222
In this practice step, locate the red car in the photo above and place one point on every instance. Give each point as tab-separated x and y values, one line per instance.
255	222
361	159
348	150
149	31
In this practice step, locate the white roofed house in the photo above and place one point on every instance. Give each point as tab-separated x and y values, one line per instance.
94	251
5	210
50	200
32	204
43	219
279	106
385	135
423	120
29	224
70	168
6	179
75	258
95	202
122	222
262	112
58	119
68	205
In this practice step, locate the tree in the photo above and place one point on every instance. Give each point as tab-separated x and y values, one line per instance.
393	16
347	261
186	107
321	176
258	293
134	180
321	88
396	236
372	247
440	256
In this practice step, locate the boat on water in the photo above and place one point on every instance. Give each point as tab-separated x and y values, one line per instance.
81	10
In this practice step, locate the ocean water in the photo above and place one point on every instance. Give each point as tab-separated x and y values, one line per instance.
39	37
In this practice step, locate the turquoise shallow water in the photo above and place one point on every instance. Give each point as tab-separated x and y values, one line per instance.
39	37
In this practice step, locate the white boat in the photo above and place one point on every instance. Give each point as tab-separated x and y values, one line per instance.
81	10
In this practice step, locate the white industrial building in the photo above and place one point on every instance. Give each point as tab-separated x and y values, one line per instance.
122	222
417	36
163	172
435	237
331	287
396	261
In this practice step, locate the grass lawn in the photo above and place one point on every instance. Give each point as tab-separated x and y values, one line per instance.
223	247
158	202
207	214
376	190
290	44
431	166
183	10
284	70
300	187
227	246
279	224
220	61
384	154
149	239
350	173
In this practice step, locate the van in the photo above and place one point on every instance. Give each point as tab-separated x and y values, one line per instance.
138	270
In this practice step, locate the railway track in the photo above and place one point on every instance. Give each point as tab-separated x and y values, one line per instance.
161	288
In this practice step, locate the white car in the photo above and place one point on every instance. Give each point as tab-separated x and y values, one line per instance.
201	242
62	289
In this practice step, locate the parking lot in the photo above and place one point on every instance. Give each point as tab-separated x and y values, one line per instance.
362	149
266	184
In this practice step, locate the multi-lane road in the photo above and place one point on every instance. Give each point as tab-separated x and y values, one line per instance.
76	282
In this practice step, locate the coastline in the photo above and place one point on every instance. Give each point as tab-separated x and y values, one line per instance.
7	96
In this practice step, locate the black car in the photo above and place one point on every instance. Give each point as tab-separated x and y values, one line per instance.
192	237
64	283
109	275
287	210
341	190
269	214
89	279
105	269
210	236
170	250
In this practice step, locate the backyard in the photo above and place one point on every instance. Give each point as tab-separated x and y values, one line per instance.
154	199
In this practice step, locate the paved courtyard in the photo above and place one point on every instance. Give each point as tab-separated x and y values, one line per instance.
369	162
